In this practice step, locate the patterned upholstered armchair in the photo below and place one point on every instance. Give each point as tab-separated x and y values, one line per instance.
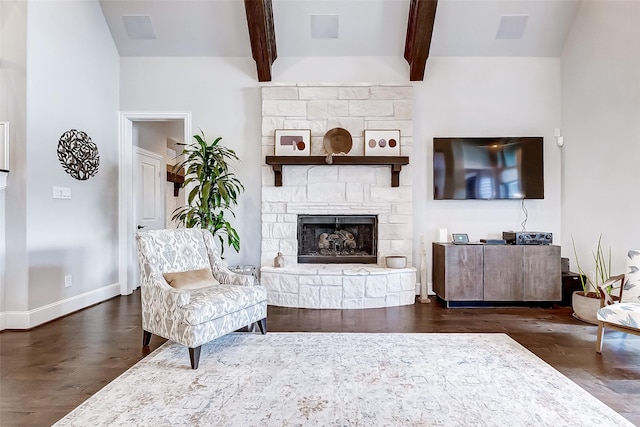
622	315
188	295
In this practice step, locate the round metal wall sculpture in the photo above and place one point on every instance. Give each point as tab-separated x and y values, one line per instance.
78	155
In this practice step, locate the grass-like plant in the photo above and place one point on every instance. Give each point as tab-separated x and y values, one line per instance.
602	268
215	189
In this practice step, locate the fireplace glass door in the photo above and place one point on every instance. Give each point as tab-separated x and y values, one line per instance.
337	239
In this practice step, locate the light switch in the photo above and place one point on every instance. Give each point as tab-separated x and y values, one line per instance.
61	192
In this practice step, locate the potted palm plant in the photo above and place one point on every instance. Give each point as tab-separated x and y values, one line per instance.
213	189
586	303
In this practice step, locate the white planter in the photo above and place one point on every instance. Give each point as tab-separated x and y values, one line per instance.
585	308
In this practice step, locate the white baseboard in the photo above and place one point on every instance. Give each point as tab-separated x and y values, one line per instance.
40	315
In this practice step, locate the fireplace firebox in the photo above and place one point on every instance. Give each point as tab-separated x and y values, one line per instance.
337	239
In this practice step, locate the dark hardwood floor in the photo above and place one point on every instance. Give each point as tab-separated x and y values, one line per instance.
49	370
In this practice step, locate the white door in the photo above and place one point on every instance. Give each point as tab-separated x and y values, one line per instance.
148	190
149	175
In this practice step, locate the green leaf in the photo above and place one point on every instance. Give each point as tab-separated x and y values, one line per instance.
192	195
206	187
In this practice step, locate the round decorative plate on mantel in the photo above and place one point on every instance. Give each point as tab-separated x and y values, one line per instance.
337	141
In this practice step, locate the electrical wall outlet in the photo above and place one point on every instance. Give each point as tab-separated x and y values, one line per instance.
67	281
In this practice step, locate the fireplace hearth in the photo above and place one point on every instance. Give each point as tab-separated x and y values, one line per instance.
337	239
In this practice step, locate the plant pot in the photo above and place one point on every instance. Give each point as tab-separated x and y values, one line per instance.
585	307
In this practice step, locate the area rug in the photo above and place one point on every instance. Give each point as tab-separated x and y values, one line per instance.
326	379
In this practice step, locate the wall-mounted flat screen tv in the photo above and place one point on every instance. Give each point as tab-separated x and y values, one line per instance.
488	168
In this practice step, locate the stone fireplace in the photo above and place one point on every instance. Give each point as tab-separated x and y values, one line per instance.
337	239
320	194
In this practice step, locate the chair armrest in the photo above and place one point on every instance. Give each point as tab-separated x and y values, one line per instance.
227	277
158	289
220	271
605	298
182	306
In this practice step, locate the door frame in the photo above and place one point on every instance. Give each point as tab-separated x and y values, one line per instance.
126	221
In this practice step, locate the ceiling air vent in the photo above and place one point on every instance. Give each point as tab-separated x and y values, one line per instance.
139	27
511	27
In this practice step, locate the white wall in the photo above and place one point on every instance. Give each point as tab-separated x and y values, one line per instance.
460	96
485	97
224	98
151	136
72	80
13	108
342	69
601	128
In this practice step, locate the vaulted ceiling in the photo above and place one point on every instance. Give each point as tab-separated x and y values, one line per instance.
412	29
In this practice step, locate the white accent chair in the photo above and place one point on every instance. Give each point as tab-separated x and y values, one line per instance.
193	317
622	315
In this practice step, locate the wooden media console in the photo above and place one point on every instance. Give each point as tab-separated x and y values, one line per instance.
497	273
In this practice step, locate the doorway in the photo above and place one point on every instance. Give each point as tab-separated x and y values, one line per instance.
127	226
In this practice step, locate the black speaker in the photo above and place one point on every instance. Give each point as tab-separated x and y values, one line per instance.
570	283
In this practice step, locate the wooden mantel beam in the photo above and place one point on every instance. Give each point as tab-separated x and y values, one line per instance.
422	16
262	35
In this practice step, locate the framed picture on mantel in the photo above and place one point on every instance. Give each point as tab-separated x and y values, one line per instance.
381	142
293	142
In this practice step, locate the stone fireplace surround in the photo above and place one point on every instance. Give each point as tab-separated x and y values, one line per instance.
337	190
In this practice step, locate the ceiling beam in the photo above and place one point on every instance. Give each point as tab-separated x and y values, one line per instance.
262	35
422	16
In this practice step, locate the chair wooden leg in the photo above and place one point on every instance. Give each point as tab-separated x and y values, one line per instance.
194	355
600	336
262	324
146	338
